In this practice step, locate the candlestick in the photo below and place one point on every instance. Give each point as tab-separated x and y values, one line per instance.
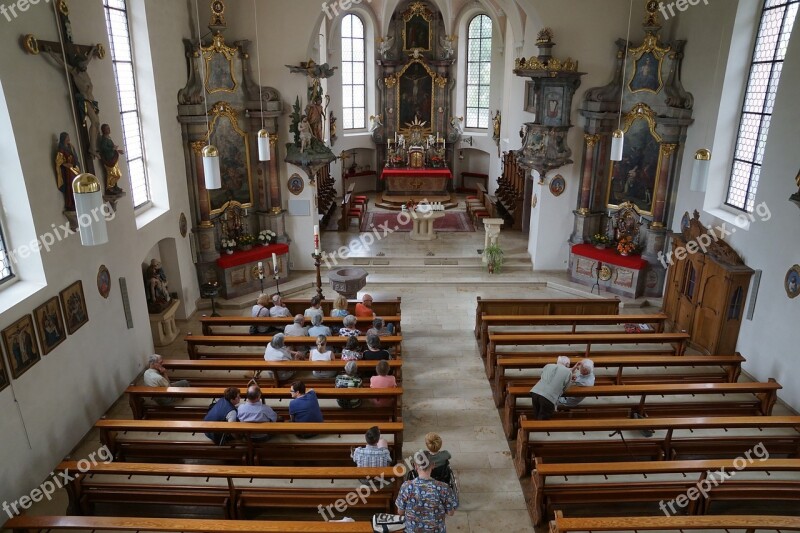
274	263
316	239
260	270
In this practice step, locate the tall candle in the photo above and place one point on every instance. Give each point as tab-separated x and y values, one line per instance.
274	263
260	270
316	239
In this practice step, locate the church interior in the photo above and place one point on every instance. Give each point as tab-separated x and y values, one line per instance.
508	180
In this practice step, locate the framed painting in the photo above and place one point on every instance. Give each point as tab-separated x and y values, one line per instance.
646	74
792	281
417	29
49	325
74	304
415	95
20	341
219	68
103	282
234	158
4	379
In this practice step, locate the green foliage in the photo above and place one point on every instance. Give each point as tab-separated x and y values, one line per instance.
296	118
494	257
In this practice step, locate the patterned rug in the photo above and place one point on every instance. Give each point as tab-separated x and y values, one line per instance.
452	221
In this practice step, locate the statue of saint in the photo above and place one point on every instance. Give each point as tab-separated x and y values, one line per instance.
66	169
305	134
496	125
109	154
316	117
157	288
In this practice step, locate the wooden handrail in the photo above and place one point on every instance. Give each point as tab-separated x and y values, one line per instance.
664	467
235	364
705	422
627	360
659	388
583	338
495	320
263	340
688	523
267	393
288	428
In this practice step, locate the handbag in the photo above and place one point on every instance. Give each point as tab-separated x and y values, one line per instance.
384	522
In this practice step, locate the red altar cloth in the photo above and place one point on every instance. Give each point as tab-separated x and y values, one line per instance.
609	255
242	257
422	172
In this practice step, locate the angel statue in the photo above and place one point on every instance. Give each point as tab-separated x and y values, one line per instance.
377	123
448	44
385	45
305	134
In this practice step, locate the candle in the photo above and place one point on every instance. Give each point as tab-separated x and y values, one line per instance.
395	136
316	239
245	212
260	270
274	263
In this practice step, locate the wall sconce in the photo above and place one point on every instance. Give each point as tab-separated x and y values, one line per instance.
467	140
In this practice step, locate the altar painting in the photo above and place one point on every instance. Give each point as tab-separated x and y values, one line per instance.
234	159
417	34
415	95
634	178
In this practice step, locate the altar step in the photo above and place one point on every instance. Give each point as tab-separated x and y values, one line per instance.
514	262
395	202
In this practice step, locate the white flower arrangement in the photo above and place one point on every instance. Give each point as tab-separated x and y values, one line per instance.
228	243
266	235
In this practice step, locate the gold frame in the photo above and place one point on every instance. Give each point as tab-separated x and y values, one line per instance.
38	320
218	46
27	323
434	80
224	110
641	111
414	10
650	44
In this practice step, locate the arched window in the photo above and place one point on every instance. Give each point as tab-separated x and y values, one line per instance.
479	67
774	30
119	37
354	105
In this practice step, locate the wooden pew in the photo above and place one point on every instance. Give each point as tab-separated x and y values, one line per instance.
220	322
269	371
656	320
750	523
532	439
543	306
233	492
259	344
178	411
31	524
722	369
677	341
150	446
557	485
764	398
381	307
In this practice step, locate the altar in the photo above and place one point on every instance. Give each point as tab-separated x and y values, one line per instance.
416	181
238	273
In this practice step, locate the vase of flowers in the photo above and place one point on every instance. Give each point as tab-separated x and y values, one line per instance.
266	237
246	241
600	240
410	205
626	246
228	245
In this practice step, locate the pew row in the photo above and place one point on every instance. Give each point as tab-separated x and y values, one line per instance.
555	486
149	445
179	411
209	370
755	399
676	341
572	321
750	523
258	343
210	324
381	308
543	306
540	439
716	369
37	524
236	491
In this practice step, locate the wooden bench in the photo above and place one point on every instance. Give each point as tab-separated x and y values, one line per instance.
543	306
535	439
676	341
297	306
559	485
750	523
721	369
212	323
31	524
234	492
178	411
761	404
209	370
259	344
573	321
150	446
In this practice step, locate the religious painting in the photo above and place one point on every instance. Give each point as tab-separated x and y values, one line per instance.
103	281
182	225
415	95
792	282
634	178
234	159
49	325
74	307
20	341
219	66
557	185
553	106
646	74
417	33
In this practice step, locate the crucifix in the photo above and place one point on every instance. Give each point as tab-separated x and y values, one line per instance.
74	58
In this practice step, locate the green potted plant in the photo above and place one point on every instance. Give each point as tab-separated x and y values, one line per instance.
494	258
600	240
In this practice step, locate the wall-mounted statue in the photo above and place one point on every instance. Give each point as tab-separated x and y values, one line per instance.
109	155
158	297
66	169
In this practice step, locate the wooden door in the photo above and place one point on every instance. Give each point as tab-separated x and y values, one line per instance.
711	308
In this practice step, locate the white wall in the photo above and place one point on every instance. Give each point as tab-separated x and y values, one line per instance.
56	402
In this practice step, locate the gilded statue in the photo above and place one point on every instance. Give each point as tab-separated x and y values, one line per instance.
66	169
109	155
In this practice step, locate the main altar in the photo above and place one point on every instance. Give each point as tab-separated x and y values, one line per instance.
416	181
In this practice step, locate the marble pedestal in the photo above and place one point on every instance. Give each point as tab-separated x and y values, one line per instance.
492	227
163	326
422	225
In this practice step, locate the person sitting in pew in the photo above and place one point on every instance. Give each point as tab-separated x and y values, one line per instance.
223	410
317	328
375	454
554	380
339	309
322	353
382	381
380	328
278	310
351	351
582	376
261	309
349	380
364	308
156	376
254	410
296	329
304	406
349	327
277	351
374	352
315	309
439	456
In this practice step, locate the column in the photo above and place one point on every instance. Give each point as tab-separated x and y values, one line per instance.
667	159
590	140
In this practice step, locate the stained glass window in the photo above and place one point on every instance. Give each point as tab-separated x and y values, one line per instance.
479	67
354	88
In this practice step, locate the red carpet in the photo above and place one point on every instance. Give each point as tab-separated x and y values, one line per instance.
451	222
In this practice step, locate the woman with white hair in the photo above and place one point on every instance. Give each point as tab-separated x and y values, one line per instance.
277	351
349	329
349	380
582	376
317	328
554	380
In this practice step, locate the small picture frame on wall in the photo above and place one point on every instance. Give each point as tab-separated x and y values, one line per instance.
4	379
74	307
792	281
20	341
50	325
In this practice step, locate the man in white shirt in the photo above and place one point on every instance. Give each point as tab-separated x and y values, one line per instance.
582	376
297	329
278	310
156	376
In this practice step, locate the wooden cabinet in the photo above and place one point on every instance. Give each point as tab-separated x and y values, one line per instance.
705	292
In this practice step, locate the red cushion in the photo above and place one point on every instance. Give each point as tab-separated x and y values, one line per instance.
355	212
360	197
472	197
481	213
